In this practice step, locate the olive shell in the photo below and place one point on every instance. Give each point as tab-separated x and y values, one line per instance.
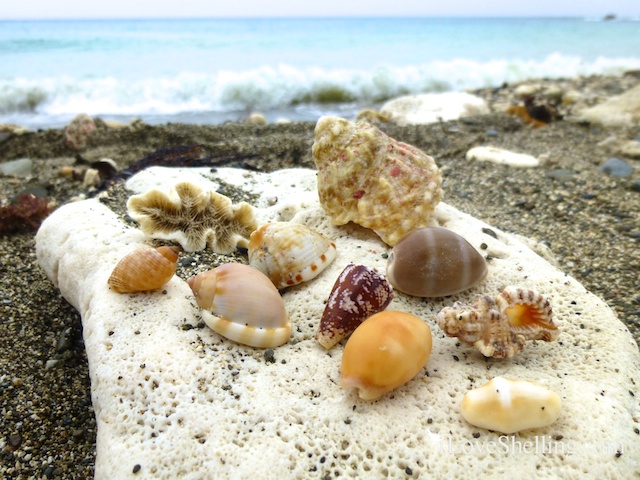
434	262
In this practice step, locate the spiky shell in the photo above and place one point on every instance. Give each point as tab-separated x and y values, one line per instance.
509	406
290	253
434	262
387	350
370	179
144	269
358	293
499	327
242	304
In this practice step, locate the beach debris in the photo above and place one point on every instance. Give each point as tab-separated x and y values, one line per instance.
433	107
499	327
509	406
370	179
77	133
194	218
242	304
144	269
434	262
502	157
256	119
387	350
358	293
290	253
25	214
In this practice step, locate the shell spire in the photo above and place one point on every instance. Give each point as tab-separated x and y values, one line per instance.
358	293
499	327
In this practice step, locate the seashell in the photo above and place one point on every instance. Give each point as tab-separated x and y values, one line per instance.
387	350
509	406
290	253
241	304
499	328
434	262
193	217
358	293
144	269
368	178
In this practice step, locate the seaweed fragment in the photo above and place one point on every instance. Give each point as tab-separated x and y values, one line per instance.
25	214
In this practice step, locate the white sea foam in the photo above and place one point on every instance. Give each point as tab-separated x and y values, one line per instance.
272	88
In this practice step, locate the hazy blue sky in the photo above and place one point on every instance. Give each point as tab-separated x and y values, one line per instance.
262	8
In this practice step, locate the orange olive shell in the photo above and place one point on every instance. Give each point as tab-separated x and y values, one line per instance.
144	269
387	350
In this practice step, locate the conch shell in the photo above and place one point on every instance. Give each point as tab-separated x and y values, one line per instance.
499	328
434	262
387	350
368	178
242	304
509	406
144	269
358	293
290	253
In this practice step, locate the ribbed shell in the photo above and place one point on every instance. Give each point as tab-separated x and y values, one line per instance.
385	351
144	269
242	304
358	293
434	262
290	253
499	328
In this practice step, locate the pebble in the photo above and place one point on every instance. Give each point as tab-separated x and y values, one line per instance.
616	167
20	167
635	186
561	174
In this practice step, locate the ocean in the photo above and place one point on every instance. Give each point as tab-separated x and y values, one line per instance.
216	70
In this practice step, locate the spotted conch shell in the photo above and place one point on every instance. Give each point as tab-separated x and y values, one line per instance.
144	269
370	179
358	293
242	304
290	253
499	328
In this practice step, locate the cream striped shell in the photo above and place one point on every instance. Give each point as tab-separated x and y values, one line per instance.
290	253
242	304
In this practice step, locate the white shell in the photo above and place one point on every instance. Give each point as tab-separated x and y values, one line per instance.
290	253
241	304
508	406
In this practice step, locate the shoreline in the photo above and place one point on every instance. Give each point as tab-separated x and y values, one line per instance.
588	221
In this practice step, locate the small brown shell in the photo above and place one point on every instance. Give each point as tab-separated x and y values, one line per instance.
144	269
499	328
434	262
358	293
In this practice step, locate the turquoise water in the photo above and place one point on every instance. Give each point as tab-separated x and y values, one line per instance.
208	71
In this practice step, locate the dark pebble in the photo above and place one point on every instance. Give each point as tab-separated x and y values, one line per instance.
15	440
186	261
588	196
635	186
491	133
64	341
269	356
136	468
616	167
490	232
408	471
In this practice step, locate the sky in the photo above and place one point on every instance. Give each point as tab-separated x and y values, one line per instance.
47	9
